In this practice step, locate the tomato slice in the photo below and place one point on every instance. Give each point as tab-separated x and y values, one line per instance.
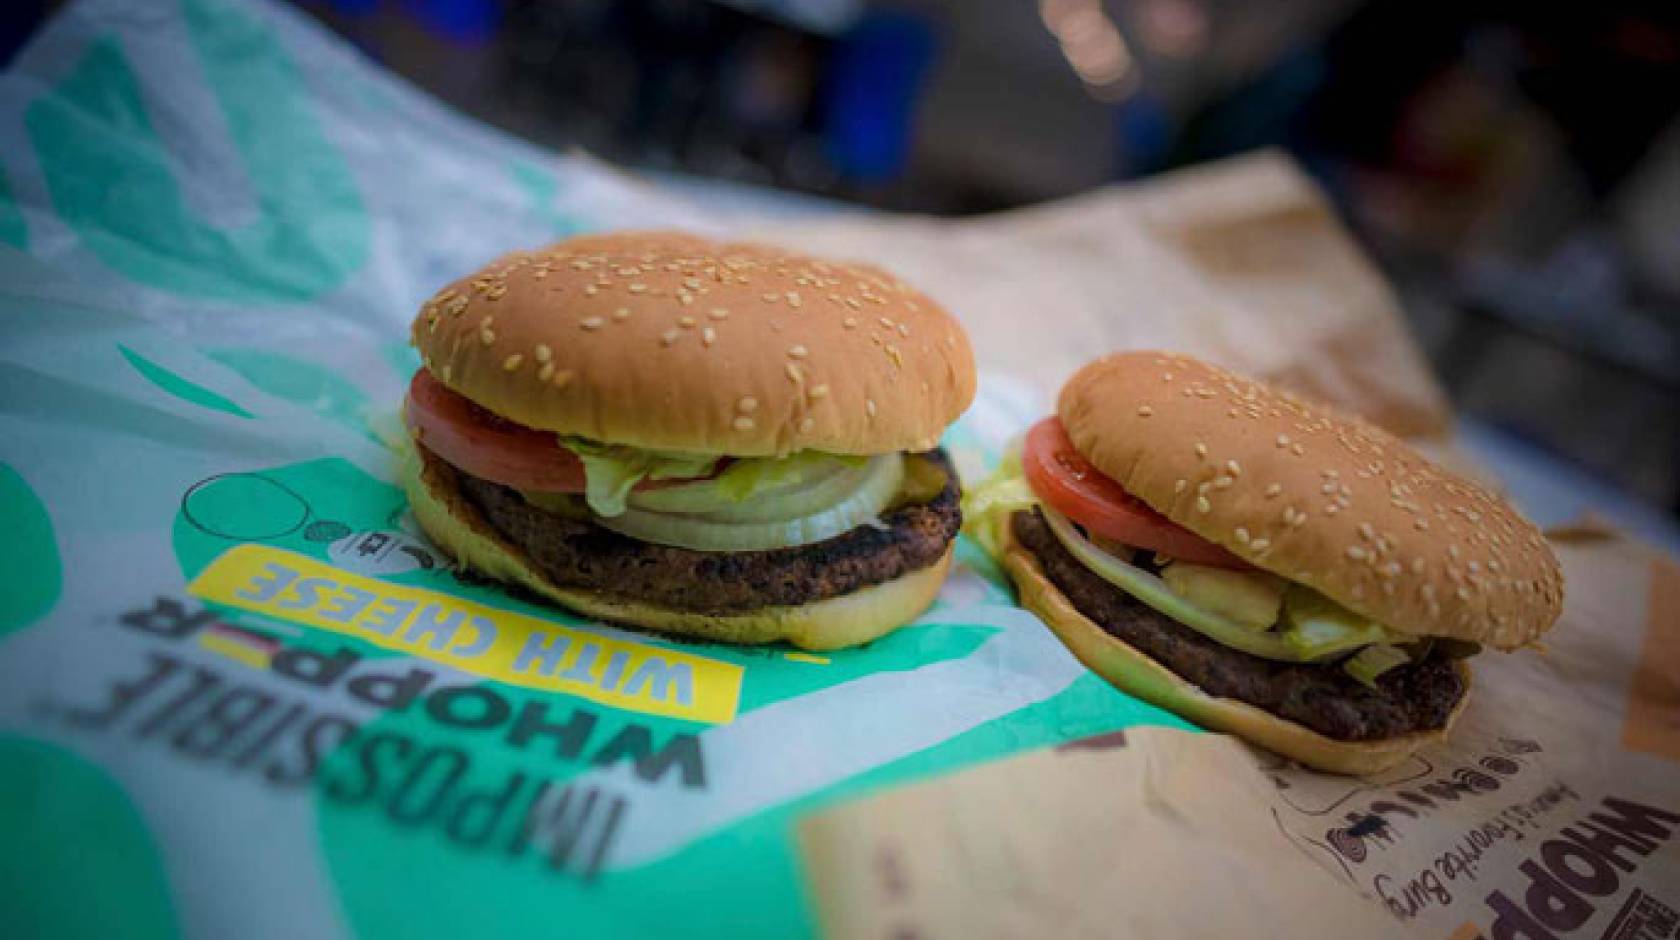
487	445
1062	477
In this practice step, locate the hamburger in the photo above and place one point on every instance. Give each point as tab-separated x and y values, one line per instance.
725	441
1259	565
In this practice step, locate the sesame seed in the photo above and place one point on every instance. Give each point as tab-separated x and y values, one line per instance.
512	362
562	378
869	406
686	323
591	323
1366	532
545	372
819	391
904	329
1145	411
849	323
798	352
621	314
1241	535
718	313
1274	491
1202	504
1179	485
638	288
543	353
708	336
743	423
806	423
793	299
1201	449
1327	489
669	336
495	293
591	290
1234	468
1297	450
747	405
486	337
1283	440
769	298
1356	553
1260	545
1222	481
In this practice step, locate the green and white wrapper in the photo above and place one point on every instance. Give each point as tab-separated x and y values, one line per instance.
215	223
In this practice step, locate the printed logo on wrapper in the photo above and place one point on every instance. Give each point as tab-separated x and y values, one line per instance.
483	640
1492	834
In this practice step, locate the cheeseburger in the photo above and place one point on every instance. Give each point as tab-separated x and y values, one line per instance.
1259	565
727	441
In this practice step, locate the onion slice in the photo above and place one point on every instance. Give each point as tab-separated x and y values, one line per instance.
814	483
783	519
1154	592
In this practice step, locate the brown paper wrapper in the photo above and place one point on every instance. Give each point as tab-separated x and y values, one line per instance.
1554	811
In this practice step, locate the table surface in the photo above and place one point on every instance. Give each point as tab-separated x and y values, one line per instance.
1549	490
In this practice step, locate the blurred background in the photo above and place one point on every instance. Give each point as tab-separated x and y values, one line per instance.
1514	167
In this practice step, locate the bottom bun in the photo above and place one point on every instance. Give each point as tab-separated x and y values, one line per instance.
457	527
1130	671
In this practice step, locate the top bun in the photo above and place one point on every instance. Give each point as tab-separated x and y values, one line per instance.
1316	497
672	342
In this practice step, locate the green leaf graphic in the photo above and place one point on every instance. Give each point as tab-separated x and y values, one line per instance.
13	231
111	178
28	554
303	383
179	387
78	860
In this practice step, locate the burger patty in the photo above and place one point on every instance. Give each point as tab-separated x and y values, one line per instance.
577	553
1415	697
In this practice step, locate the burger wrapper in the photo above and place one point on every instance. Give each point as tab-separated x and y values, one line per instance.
1553	811
242	695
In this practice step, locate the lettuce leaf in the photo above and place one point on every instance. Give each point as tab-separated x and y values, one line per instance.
987	506
1317	626
748	477
611	471
1371	662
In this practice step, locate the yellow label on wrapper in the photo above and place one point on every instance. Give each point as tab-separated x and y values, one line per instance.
483	640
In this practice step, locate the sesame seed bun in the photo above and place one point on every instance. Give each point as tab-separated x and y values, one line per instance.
672	342
1135	673
1316	497
458	528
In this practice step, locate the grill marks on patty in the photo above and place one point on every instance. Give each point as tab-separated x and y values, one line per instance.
580	554
1415	697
